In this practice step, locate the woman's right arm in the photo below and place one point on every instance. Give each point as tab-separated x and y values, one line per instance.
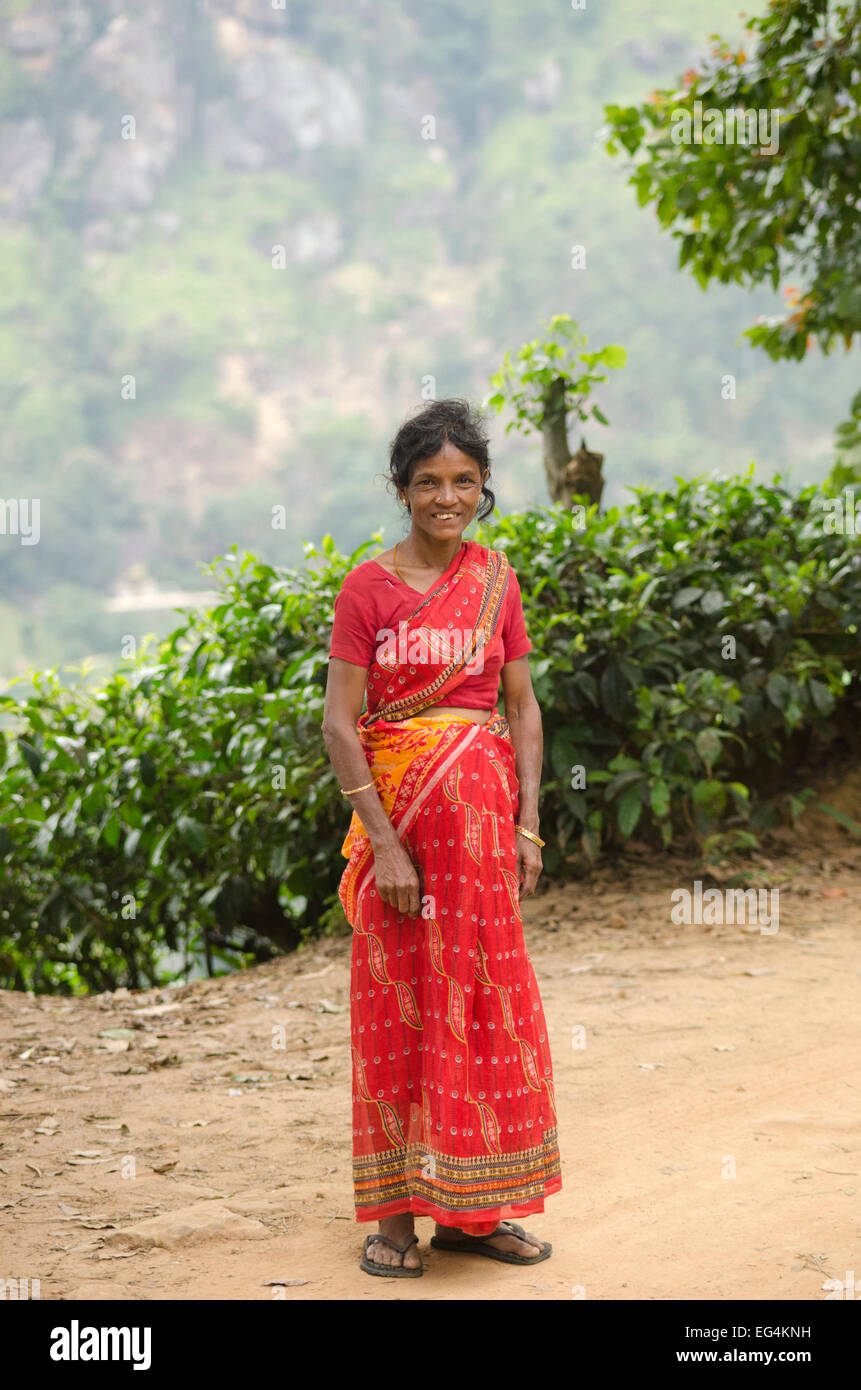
396	875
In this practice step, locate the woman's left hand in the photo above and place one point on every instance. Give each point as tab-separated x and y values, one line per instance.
529	865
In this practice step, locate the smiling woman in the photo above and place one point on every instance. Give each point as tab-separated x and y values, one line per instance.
453	1104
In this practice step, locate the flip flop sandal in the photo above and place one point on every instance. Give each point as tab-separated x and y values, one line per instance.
390	1271
477	1245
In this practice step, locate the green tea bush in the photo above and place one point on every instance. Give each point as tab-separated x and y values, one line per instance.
688	650
691	649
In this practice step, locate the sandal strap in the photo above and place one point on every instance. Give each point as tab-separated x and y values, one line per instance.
513	1229
393	1244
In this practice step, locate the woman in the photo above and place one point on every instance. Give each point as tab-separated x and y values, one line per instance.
453	1105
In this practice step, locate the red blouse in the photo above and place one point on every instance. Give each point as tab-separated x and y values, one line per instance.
372	600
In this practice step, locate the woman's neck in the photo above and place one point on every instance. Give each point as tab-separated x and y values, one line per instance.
425	553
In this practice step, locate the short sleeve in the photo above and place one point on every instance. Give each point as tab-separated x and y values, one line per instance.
514	636
353	630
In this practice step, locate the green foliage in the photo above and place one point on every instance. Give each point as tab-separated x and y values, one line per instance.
185	812
188	806
688	650
847	469
744	210
545	380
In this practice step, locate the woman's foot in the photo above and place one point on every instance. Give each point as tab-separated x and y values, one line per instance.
529	1247
397	1228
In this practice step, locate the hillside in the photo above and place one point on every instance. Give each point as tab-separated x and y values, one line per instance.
238	241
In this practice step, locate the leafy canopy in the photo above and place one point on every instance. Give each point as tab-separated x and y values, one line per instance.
747	212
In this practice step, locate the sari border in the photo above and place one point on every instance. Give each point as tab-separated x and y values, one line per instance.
419	1207
473	1185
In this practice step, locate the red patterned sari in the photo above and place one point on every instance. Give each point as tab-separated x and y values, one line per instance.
453	1104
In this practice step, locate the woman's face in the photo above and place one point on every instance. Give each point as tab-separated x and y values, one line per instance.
444	492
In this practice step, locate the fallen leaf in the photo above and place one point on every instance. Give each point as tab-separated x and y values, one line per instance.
281	1283
762	971
117	1033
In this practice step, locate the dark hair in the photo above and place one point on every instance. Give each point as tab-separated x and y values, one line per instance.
423	434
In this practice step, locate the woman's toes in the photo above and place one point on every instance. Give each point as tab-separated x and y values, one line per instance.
529	1250
382	1254
529	1245
526	1244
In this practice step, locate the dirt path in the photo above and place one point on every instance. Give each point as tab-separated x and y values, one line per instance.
707	1050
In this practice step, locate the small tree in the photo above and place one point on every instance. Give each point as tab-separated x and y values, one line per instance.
774	195
544	385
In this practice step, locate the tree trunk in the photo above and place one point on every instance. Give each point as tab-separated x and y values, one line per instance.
557	455
567	475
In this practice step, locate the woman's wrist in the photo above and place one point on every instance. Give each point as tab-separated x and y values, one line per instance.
383	837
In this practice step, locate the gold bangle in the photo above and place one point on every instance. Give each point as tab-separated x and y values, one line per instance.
536	839
353	790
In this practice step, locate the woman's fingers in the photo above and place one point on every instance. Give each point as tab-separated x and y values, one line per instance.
414	896
398	882
405	894
528	870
